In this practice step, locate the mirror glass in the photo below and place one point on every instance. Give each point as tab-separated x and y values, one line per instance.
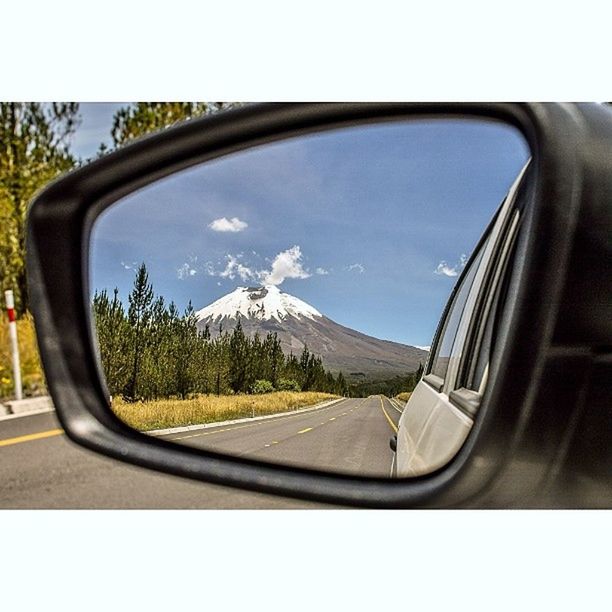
279	303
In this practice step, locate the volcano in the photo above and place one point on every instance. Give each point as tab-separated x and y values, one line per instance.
267	309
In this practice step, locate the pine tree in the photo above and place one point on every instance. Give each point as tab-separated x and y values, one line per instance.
292	370
239	359
204	363
139	316
221	361
341	386
304	361
276	358
186	366
112	331
157	367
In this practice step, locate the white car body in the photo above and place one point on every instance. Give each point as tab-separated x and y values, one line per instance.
432	427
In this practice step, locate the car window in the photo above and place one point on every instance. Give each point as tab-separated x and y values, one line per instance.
458	330
441	359
486	334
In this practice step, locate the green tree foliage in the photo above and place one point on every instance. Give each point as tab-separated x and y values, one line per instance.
113	338
150	351
34	149
240	359
139	332
142	118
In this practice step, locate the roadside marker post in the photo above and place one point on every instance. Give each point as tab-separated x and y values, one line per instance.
10	308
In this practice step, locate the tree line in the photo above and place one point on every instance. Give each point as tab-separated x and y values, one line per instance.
389	387
151	351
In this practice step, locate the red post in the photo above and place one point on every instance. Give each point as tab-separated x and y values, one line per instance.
10	308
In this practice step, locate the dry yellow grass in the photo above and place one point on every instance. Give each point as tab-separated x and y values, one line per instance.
163	414
403	397
31	370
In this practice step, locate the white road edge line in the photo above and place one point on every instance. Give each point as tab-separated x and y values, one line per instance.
163	432
392	402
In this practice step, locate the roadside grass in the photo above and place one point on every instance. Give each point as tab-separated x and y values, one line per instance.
167	413
403	397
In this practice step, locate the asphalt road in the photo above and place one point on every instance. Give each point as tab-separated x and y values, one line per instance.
350	436
41	468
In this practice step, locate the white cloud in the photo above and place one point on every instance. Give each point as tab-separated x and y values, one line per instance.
228	225
443	269
127	266
286	264
185	271
189	268
356	267
235	268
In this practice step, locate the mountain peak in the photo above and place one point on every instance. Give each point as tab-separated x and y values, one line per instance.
264	303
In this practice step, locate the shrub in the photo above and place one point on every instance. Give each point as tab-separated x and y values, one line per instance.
288	384
262	386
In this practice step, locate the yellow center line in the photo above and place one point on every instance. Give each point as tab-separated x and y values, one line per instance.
299	432
393	425
30	437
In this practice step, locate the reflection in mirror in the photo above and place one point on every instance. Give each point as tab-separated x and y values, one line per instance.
278	303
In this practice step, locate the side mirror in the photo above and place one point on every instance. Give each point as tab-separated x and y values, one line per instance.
542	336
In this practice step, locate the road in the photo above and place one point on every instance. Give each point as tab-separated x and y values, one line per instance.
350	436
41	468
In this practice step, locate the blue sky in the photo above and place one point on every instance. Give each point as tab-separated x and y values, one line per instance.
95	127
370	225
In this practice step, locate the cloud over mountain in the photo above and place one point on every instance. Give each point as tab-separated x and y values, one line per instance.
286	264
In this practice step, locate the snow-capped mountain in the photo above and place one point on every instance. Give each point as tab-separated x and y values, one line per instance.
263	303
267	309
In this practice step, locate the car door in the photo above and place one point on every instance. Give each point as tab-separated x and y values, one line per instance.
440	412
